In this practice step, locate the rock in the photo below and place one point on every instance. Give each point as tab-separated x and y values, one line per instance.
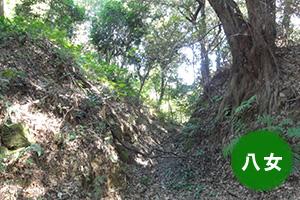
13	136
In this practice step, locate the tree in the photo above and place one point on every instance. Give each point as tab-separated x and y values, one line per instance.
192	17
117	28
144	63
63	14
205	73
252	45
286	20
2	8
166	42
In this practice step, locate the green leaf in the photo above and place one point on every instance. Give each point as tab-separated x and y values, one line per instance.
36	148
293	132
227	150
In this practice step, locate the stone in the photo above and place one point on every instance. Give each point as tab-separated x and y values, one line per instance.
13	136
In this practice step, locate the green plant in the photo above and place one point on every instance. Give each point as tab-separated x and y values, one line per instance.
117	28
271	123
11	73
71	136
239	126
62	14
293	132
8	75
199	153
245	105
198	190
2	164
296	161
217	98
145	180
97	185
227	149
266	120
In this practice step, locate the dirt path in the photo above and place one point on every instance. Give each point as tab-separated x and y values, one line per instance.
197	175
157	180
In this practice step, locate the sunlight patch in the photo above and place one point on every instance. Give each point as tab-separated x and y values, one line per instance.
37	121
35	190
143	162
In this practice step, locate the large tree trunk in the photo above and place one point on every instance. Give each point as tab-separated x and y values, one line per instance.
205	73
1	8
254	68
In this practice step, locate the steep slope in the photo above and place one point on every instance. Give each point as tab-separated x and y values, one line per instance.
214	134
82	138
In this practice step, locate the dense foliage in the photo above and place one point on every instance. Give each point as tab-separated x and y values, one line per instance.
139	49
63	14
118	28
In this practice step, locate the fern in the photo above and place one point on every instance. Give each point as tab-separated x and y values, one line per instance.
227	150
238	125
245	105
266	120
286	122
293	132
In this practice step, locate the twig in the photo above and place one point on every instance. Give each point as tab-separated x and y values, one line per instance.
294	99
233	194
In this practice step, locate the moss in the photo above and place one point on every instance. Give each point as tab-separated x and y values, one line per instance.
14	136
3	151
124	155
11	74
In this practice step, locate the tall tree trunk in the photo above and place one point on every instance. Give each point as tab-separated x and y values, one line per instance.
143	78
205	73
254	68
142	84
162	87
1	8
286	20
218	58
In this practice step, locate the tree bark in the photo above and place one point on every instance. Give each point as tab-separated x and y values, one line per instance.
1	8
162	87
218	58
143	78
254	70
205	73
142	84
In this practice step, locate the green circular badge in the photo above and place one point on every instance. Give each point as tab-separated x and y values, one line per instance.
261	160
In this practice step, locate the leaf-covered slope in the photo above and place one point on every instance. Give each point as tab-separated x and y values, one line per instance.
216	134
85	136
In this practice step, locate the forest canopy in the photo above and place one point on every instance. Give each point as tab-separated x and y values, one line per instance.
166	52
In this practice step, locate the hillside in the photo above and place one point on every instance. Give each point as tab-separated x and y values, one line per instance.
82	137
88	144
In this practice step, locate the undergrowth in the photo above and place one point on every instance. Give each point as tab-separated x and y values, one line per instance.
286	127
117	79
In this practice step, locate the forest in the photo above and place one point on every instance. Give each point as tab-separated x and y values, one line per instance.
149	99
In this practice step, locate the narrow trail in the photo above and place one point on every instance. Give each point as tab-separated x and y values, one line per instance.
155	180
177	175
